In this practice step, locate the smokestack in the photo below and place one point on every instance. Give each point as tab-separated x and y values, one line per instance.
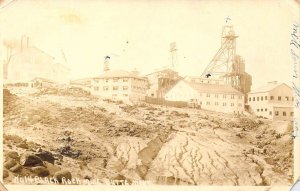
106	64
22	43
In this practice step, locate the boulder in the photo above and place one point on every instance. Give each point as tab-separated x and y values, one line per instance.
10	163
16	168
46	156
28	159
5	173
13	155
52	168
23	145
62	174
40	171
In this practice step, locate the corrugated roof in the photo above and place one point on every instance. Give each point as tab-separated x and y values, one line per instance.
267	88
213	88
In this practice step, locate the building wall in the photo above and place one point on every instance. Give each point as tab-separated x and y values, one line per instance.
260	104
220	102
124	88
31	63
227	103
182	92
265	104
283	113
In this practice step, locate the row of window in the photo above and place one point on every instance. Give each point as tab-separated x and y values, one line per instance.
115	88
224	104
116	95
206	81
119	80
262	98
276	112
224	96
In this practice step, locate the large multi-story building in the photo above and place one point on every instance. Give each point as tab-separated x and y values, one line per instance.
121	85
30	63
161	81
273	101
213	97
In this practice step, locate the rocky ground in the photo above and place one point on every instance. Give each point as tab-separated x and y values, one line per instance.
58	135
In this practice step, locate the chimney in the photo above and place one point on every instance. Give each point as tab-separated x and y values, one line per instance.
106	64
23	42
27	44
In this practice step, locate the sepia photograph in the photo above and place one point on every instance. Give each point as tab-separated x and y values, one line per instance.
150	93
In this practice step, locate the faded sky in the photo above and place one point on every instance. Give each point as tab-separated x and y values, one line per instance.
89	30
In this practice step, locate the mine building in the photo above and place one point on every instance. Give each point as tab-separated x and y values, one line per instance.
160	82
121	85
213	97
31	63
272	101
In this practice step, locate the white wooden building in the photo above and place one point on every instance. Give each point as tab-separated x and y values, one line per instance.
121	85
273	101
214	97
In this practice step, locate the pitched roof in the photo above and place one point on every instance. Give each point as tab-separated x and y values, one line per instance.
34	51
119	74
266	88
213	88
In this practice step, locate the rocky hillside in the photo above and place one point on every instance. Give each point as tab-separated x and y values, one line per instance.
80	136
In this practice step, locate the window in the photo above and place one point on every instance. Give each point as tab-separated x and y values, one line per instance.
152	95
257	98
276	113
292	98
257	110
216	103
125	95
224	104
105	88
284	113
261	109
266	109
279	98
125	87
249	98
97	81
232	104
272	98
96	88
286	98
270	112
262	98
292	114
266	97
125	80
253	98
107	80
207	95
115	88
216	95
232	96
240	97
224	96
207	103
